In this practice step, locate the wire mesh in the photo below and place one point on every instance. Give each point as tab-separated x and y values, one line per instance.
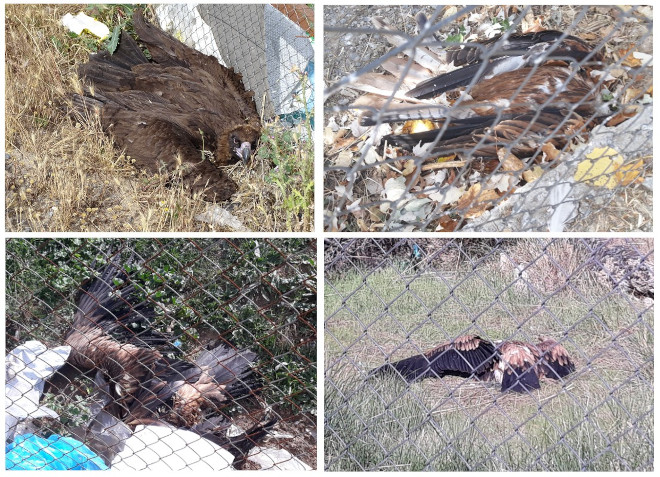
200	354
388	300
530	133
270	45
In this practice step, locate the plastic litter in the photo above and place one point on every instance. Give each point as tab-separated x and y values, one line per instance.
28	366
276	459
166	448
82	22
30	452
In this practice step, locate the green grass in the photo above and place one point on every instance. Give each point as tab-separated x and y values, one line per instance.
292	153
600	419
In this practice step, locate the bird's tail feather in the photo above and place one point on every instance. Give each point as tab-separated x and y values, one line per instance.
446	82
457	128
520	380
113	72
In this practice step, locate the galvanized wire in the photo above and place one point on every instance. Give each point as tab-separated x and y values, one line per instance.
258	295
371	186
389	299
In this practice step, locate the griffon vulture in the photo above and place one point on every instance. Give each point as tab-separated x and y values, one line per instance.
517	366
147	380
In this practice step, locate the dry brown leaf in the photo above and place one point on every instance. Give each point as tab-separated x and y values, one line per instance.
535	26
629	60
532	174
341	133
446	224
629	173
344	142
470	195
409	167
476	201
550	151
618	118
631	94
376	215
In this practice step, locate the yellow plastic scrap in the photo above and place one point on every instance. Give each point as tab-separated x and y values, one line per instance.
604	167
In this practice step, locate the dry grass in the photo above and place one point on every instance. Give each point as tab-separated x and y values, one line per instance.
64	174
630	210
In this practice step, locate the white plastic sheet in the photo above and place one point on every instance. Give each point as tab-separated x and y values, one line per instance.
166	448
28	366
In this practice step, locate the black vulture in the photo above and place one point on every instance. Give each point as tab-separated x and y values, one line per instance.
169	111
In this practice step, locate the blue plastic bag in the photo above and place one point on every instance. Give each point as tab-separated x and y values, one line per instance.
30	452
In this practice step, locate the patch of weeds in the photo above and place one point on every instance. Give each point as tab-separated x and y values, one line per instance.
291	150
73	409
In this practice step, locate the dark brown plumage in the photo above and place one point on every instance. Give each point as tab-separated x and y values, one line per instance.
525	91
489	59
516	365
147	381
167	111
555	360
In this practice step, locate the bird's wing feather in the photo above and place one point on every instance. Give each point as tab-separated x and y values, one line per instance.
464	356
556	363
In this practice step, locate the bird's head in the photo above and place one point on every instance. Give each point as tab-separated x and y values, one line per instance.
242	142
243	152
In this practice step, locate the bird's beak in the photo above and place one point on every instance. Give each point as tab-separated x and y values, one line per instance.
244	152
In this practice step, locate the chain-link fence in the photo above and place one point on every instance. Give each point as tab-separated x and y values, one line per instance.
164	354
488	118
270	45
74	168
387	300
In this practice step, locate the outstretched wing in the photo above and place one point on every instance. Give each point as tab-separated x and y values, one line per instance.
464	356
